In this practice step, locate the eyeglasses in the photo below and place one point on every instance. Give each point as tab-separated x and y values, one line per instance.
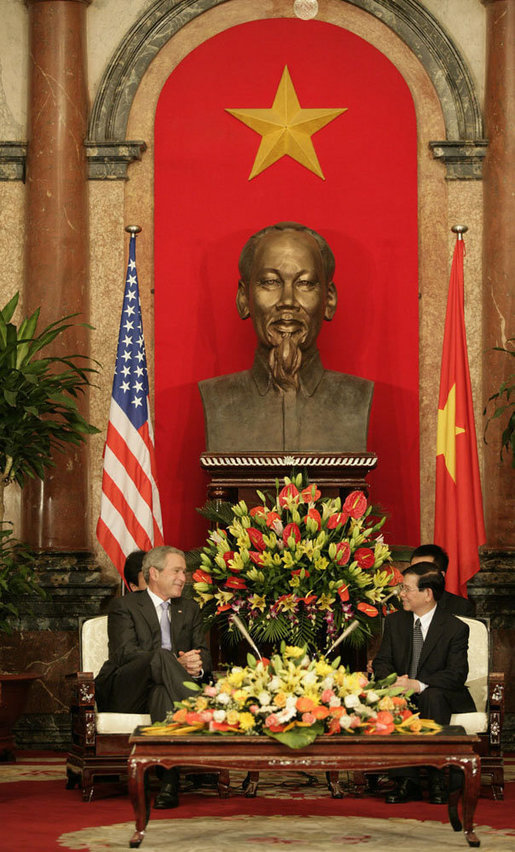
408	589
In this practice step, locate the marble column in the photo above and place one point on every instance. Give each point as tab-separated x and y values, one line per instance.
56	271
498	259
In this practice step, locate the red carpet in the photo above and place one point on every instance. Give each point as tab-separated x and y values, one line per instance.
35	813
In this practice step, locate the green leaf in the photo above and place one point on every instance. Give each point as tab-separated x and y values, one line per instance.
298	737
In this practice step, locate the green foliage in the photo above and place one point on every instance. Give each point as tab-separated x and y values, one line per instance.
502	404
38	397
17	575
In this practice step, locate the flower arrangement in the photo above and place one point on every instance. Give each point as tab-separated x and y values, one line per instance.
294	699
299	570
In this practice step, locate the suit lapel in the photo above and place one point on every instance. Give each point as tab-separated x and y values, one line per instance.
148	612
407	641
434	634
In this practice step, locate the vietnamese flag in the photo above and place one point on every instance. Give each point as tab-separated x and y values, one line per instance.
459	525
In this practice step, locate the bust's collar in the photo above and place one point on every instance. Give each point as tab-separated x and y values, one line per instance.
311	373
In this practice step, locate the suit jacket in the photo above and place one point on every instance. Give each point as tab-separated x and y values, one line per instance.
443	660
456	605
244	412
134	631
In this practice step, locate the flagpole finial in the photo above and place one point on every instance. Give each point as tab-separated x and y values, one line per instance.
133	230
459	230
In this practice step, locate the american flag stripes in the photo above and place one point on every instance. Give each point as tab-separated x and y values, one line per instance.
130	511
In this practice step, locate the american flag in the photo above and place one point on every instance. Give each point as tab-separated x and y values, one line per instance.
130	511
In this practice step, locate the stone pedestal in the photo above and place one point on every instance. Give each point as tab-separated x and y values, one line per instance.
237	477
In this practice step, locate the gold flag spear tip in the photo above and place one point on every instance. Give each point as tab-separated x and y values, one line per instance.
459	230
244	632
133	229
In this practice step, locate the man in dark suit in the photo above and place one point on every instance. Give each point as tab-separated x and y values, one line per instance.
133	571
454	604
427	648
156	645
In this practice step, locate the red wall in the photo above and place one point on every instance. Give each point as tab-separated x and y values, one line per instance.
206	208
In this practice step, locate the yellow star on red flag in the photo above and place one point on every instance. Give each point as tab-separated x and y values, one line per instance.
447	431
286	129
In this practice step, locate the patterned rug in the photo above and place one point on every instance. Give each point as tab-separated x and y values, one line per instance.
291	810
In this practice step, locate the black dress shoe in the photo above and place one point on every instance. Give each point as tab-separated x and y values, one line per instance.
405	790
167	797
437	791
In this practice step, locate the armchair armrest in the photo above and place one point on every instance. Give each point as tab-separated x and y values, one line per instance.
83	708
495	707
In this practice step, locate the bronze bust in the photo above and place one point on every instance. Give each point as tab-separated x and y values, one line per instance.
287	401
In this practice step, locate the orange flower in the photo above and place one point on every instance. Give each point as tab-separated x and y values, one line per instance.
310	493
201	576
304	704
320	712
337	712
180	715
343	591
368	609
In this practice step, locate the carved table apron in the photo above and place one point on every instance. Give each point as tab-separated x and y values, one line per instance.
326	754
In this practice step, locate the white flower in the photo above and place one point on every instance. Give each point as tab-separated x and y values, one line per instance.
345	722
351	701
372	697
264	697
286	714
223	698
219	715
328	682
291	702
275	684
335	701
309	678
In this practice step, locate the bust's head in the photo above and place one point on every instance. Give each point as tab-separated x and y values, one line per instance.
286	287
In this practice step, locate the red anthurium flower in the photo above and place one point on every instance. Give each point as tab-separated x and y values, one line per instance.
336	520
256	557
256	538
311	493
355	504
287	493
291	530
309	599
297	571
314	514
271	518
229	554
342	553
368	609
396	578
365	557
201	576
257	510
343	591
236	583
223	608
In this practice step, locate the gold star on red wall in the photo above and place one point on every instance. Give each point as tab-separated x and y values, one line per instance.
286	129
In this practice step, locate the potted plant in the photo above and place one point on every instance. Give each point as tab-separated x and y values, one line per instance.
38	415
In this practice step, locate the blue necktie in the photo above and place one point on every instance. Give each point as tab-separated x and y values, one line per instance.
164	621
418	641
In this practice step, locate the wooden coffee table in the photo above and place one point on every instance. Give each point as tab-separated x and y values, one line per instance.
327	754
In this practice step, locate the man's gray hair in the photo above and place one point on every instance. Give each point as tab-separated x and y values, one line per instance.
156	558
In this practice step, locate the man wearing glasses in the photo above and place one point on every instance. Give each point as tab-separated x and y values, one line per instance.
427	648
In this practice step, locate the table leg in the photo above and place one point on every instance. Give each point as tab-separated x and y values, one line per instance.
223	784
140	797
470	795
